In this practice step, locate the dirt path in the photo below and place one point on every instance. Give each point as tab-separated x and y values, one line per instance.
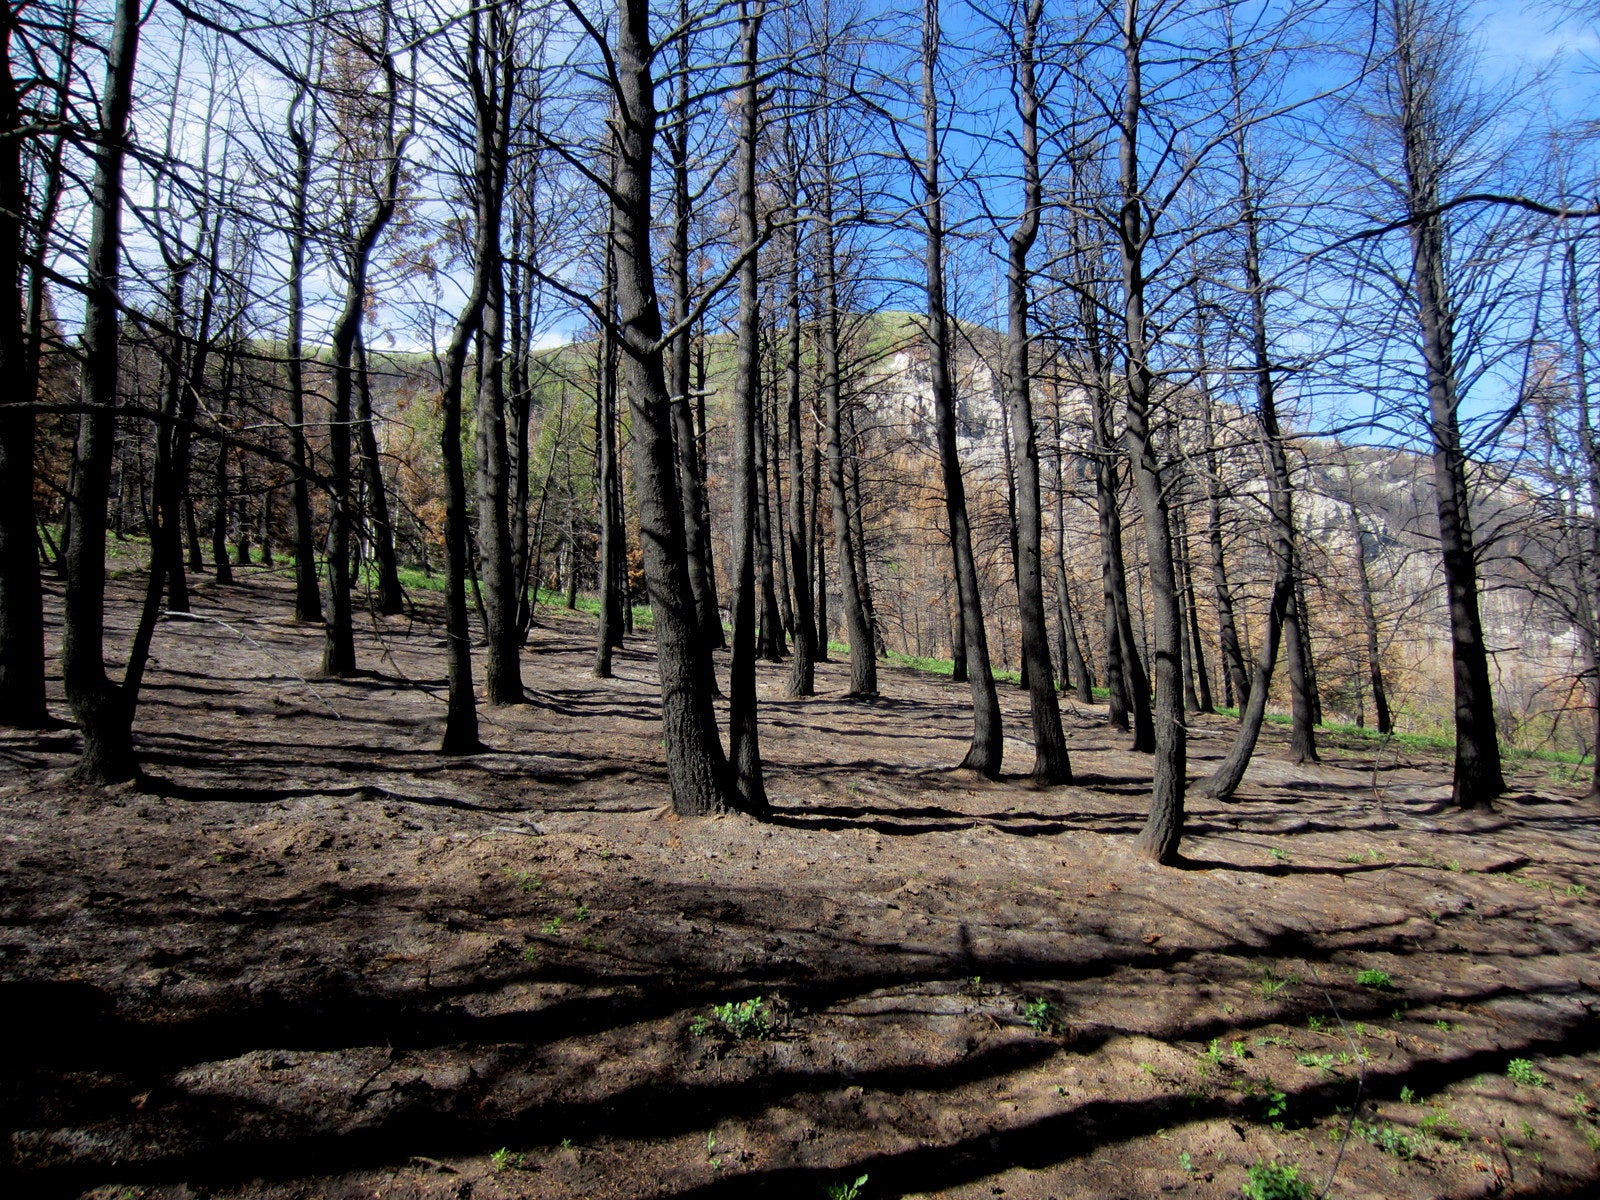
312	958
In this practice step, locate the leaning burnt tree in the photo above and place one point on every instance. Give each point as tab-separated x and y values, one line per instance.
372	187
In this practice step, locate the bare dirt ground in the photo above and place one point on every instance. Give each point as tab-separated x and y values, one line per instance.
310	957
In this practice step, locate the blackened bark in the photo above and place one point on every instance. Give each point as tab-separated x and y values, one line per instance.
491	85
802	668
103	710
1222	588
307	593
691	472
1478	778
1280	500
391	599
1074	665
22	695
696	766
987	748
863	663
858	532
1164	828
608	634
743	734
1126	680
1051	763
222	569
339	649
1197	651
770	641
1369	620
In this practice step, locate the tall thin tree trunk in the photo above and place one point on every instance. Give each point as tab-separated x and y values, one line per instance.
609	633
771	639
103	710
1164	829
391	599
222	570
1197	649
971	640
1051	764
1222	588
492	87
858	531
691	470
802	668
302	133
744	745
863	663
1369	620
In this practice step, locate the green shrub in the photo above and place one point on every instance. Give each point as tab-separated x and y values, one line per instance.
1275	1181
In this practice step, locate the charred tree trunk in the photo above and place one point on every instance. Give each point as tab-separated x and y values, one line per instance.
391	599
771	640
696	766
744	738
491	86
307	594
1369	620
1051	764
1222	588
971	640
863	663
691	470
608	635
802	666
104	711
22	696
1164	828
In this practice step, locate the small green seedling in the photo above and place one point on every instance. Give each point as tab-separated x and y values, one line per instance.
1323	1062
1520	1071
1239	1050
1213	1052
1408	1096
1042	1016
1390	1140
581	913
1272	983
504	1160
1381	980
846	1191
1279	855
552	926
1316	1023
1186	1162
1275	1181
